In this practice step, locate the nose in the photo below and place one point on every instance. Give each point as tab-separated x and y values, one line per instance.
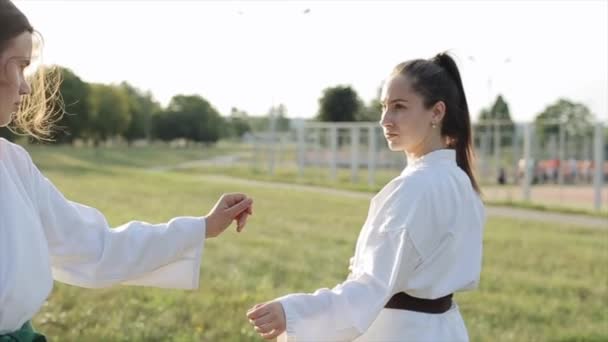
385	120
25	88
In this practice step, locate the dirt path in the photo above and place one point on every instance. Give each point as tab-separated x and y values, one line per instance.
496	211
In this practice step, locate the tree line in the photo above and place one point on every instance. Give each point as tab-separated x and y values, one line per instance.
96	112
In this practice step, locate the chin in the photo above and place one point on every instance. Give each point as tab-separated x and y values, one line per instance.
394	147
5	120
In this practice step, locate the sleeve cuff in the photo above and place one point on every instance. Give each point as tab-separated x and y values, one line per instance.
290	319
198	250
183	273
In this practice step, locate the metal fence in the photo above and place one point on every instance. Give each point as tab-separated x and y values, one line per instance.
544	163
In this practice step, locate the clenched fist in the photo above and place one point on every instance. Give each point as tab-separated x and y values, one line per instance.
268	319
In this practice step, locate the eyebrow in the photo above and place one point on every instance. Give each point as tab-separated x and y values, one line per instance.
395	100
27	60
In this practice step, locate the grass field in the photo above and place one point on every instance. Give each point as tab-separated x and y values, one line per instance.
566	199
539	282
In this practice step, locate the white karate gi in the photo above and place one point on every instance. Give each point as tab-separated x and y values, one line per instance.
422	236
43	237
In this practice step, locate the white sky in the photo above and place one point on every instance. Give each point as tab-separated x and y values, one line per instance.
252	55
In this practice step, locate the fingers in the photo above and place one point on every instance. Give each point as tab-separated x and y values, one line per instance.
233	198
265	328
239	207
264	320
265	324
271	335
233	206
267	320
255	307
243	218
241	221
258	311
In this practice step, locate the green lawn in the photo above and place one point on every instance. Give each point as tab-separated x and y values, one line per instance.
320	177
540	282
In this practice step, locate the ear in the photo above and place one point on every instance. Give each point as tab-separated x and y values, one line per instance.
438	112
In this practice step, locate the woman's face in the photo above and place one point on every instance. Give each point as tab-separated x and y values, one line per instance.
407	123
14	59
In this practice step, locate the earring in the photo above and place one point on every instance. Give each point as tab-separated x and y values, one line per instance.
434	125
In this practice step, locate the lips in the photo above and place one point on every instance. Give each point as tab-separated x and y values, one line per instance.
390	135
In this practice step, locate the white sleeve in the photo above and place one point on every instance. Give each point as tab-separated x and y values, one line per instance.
86	252
347	310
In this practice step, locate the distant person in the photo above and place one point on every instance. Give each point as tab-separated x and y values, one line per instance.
422	240
45	237
502	176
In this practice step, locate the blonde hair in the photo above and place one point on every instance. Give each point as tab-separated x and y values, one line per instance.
43	107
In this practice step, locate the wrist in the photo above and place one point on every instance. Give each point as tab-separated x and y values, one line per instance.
209	233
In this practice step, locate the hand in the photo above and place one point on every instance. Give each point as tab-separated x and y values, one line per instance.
228	208
241	219
268	319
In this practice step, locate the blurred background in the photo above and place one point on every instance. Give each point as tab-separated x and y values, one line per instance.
281	99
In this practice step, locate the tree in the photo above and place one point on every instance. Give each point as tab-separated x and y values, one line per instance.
499	112
110	114
282	121
190	117
373	110
238	123
74	93
258	123
262	123
141	108
576	119
339	103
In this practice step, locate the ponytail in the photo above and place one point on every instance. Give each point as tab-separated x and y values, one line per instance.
438	79
457	125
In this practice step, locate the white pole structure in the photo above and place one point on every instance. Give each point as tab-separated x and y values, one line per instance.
552	147
354	154
333	137
497	162
317	146
516	151
371	158
278	142
598	177
561	156
485	152
553	153
256	152
301	149
527	163
272	142
585	155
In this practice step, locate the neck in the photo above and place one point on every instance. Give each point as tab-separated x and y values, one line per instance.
425	147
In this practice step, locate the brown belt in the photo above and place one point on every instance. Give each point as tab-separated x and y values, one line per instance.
403	301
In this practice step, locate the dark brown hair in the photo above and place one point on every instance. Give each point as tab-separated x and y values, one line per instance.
438	79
